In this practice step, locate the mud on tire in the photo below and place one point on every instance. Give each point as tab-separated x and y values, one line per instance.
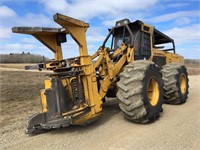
134	91
176	86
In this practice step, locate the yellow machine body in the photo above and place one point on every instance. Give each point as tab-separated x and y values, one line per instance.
78	76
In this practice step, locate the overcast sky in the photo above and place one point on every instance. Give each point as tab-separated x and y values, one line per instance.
180	19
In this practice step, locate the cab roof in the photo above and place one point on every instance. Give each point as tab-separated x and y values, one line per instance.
159	37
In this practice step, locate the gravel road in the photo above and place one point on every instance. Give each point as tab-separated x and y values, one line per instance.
177	128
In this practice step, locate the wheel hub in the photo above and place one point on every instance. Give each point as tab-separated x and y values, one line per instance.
183	83
153	91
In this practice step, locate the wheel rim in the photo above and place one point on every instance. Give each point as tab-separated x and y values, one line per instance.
183	83
153	91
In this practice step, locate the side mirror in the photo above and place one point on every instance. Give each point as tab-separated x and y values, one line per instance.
61	38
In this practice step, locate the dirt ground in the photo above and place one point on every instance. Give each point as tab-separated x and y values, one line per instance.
19	97
177	128
14	65
193	69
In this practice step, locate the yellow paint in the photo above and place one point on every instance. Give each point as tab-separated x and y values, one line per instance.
64	82
119	50
159	53
183	83
53	64
153	91
174	58
44	101
129	54
47	83
85	119
76	29
151	28
50	41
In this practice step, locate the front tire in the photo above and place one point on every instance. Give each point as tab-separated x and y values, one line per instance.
140	91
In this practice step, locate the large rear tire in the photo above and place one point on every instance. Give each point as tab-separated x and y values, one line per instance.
176	85
140	91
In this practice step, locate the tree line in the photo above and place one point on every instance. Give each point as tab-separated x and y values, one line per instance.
22	58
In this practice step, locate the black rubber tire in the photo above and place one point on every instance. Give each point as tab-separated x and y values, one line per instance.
132	91
171	78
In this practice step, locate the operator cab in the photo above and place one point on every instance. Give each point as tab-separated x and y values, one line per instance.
138	35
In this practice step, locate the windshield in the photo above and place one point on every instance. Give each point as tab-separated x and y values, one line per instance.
120	35
118	40
116	37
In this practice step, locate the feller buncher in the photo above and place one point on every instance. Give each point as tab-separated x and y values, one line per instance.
132	64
